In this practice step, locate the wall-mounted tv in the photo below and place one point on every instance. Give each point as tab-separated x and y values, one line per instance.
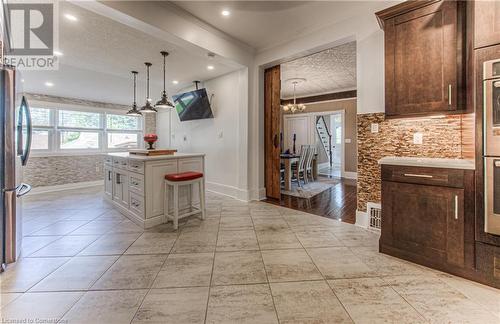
193	105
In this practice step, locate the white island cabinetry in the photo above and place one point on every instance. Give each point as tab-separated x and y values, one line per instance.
134	184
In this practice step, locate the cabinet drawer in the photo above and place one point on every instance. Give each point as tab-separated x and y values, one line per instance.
136	204
136	166
419	175
191	164
120	163
136	183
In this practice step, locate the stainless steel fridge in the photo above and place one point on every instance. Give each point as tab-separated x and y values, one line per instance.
15	142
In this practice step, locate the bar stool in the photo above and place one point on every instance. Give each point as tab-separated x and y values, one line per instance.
184	179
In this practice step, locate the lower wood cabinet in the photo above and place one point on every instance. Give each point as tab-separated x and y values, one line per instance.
428	215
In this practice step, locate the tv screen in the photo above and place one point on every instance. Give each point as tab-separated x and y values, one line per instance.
193	105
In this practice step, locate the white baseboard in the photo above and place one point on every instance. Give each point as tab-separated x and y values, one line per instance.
229	191
67	186
350	175
362	219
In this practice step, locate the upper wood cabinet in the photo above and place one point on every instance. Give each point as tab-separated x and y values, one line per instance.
424	57
486	23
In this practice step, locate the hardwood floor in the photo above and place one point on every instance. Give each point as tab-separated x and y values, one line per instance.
338	202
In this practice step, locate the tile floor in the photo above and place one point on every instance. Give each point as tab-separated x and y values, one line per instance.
246	263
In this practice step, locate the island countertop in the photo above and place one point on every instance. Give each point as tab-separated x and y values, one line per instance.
429	162
139	157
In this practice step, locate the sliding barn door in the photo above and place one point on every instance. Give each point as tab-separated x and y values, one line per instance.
272	119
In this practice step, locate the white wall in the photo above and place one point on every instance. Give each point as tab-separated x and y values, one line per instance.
219	138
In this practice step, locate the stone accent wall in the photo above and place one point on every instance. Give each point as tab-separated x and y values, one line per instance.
149	124
446	137
58	170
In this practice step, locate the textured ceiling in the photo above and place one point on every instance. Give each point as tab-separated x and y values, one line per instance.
331	70
99	54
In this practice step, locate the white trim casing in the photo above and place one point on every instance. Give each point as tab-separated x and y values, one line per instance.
229	191
68	186
362	219
350	175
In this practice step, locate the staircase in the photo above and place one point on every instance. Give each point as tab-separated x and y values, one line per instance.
325	137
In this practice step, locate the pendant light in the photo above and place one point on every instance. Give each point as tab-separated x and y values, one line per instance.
293	108
134	111
164	102
148	108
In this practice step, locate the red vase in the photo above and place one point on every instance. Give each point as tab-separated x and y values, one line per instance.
150	139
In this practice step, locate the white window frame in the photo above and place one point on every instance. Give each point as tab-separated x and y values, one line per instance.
55	130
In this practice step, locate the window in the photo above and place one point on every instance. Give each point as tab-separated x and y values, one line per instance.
67	131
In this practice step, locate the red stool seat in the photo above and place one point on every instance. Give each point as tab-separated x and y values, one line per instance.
184	176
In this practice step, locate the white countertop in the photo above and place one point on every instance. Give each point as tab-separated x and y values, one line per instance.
429	162
154	157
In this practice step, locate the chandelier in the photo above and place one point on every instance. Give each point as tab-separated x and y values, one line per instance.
293	108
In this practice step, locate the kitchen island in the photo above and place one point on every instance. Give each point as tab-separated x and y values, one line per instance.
134	184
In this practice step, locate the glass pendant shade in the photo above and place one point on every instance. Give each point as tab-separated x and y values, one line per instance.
134	111
164	102
148	107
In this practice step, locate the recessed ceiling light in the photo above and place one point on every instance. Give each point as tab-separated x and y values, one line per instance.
70	17
210	67
225	12
175	82
49	84
58	53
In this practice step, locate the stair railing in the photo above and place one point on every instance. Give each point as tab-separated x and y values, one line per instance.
328	151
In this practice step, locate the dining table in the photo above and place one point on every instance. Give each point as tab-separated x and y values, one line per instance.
290	158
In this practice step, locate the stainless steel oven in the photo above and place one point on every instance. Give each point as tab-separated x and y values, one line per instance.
491	136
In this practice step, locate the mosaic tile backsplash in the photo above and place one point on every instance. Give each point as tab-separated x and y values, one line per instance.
445	137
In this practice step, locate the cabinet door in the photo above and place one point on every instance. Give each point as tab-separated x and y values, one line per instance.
486	23
423	59
117	187
124	179
155	185
425	220
108	182
185	165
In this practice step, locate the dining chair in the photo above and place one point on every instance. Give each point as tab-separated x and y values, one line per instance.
300	168
309	163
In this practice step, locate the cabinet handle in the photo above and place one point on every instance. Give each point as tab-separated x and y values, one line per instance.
449	94
118	178
456	207
417	175
109	175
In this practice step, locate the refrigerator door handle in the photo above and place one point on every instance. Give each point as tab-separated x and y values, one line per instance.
29	129
22	189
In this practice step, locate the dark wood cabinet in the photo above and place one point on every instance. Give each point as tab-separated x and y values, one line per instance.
428	216
424	58
486	23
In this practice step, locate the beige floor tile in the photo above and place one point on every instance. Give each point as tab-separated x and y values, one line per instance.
34	243
237	241
339	262
35	225
111	244
360	238
235	223
185	270
174	305
371	300
26	272
245	267
241	304
105	307
384	264
437	301
307	302
7	298
60	228
317	238
39	307
112	214
65	246
131	272
153	243
195	224
289	265
87	214
270	223
281	239
77	274
96	227
194	242
126	227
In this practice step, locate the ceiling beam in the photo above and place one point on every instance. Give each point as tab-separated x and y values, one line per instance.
322	97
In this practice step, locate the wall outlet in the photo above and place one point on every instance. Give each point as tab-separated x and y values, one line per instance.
221	134
418	138
374	127
348	141
185	138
